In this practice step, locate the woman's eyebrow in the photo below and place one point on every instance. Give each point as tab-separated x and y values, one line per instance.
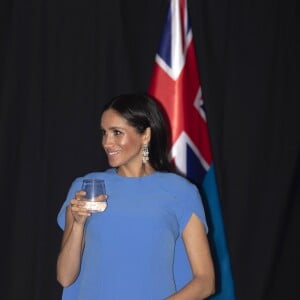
113	128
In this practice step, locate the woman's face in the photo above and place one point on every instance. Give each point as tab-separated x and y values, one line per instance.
122	143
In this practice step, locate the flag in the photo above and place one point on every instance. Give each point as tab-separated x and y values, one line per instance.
175	83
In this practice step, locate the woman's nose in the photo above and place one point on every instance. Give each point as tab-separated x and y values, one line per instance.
107	140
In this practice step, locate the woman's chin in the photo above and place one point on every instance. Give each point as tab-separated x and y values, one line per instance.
113	164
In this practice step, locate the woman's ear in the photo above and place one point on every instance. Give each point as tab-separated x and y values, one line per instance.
147	135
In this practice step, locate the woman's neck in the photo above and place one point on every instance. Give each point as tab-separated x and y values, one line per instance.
143	170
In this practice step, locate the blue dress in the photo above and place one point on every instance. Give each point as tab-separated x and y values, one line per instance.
133	250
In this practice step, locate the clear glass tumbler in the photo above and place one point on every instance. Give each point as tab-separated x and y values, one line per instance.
94	188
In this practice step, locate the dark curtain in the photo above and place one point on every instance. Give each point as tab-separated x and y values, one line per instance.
61	60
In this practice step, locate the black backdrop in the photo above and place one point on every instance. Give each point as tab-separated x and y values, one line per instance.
60	60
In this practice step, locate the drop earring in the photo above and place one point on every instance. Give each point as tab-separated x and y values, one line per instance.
145	156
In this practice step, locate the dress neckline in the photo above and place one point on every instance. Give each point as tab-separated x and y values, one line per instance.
133	177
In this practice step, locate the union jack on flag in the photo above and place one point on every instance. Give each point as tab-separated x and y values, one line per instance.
175	83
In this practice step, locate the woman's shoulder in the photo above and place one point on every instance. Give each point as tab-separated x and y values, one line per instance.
175	180
178	186
106	174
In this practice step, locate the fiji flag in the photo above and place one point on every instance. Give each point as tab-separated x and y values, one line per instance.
176	84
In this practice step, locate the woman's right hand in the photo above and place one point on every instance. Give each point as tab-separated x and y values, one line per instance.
69	258
78	210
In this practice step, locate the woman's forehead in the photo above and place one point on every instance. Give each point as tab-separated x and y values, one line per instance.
111	118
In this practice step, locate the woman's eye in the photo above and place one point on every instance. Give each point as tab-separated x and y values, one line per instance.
117	132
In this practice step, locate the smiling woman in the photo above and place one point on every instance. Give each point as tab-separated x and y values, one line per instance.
132	126
128	251
123	145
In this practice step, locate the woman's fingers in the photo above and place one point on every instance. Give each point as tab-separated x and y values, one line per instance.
100	198
79	195
79	212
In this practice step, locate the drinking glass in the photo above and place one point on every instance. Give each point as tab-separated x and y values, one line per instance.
94	188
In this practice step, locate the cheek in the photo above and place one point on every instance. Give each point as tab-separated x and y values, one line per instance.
124	141
131	143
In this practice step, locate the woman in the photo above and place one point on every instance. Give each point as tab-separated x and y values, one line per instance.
132	249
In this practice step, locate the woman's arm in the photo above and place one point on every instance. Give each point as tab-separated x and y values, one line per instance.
69	258
203	283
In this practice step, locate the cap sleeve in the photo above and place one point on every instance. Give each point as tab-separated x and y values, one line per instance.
190	202
75	186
